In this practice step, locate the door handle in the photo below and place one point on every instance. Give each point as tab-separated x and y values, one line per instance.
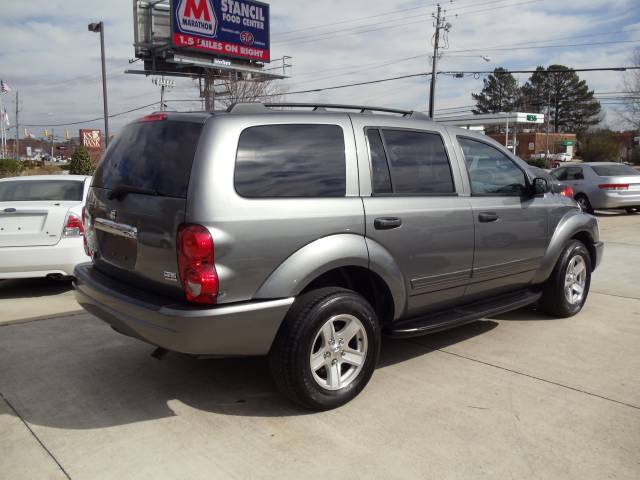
487	217
387	223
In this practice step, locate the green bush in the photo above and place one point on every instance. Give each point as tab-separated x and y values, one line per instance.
10	167
81	163
537	162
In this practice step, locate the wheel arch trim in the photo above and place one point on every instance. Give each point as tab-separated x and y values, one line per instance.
572	224
313	260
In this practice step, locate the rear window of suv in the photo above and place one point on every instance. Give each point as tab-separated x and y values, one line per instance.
156	155
291	161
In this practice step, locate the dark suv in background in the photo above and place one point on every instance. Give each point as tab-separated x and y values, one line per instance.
305	234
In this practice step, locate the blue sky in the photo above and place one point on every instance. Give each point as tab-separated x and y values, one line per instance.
48	55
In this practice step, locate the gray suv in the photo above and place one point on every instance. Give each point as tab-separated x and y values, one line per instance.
305	232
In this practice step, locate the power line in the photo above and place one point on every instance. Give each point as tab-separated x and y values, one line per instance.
335	87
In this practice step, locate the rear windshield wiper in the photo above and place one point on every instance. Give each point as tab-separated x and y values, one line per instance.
121	191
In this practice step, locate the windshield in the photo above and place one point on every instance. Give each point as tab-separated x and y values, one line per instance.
615	170
152	156
41	190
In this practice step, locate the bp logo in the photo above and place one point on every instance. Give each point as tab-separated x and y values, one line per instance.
198	17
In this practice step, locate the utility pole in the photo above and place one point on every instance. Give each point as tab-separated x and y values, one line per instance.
17	144
546	137
440	25
52	140
163	84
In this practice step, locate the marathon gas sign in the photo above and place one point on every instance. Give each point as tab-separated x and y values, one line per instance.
224	28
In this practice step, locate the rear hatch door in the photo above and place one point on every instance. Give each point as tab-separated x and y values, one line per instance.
138	200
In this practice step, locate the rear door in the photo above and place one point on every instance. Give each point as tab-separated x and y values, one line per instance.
414	209
32	212
511	226
138	200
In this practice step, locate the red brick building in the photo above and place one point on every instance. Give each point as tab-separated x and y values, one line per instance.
530	143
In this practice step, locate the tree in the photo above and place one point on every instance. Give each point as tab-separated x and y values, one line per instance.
500	93
599	146
630	111
81	163
571	104
234	88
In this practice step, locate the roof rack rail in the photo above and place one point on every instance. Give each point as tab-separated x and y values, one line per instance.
259	107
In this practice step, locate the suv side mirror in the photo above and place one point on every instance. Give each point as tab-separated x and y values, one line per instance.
540	186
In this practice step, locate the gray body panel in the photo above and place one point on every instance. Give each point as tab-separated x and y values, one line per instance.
268	250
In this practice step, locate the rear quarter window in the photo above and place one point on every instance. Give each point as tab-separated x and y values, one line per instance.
291	161
154	155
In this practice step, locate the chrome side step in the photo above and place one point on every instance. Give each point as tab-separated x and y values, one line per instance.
471	312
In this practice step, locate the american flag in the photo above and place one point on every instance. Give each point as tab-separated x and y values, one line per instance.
4	87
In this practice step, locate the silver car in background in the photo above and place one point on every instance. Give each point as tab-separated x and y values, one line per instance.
602	185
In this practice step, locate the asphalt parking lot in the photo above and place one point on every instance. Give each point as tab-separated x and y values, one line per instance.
517	396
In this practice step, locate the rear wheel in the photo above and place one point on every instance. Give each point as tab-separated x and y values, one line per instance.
632	209
565	292
584	203
326	349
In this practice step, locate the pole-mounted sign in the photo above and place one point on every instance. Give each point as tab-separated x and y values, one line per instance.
228	28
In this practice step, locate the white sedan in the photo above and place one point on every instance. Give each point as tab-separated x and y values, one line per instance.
41	231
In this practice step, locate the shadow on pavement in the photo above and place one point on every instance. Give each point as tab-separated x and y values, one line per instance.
33	287
77	373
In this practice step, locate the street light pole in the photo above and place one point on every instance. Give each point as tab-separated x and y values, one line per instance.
99	27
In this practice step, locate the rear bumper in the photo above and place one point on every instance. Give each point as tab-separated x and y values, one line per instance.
40	261
604	199
240	329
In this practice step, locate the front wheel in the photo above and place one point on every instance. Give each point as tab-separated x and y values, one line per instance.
326	349
566	290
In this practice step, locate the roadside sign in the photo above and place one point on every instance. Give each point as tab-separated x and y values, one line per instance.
91	139
228	28
29	152
532	118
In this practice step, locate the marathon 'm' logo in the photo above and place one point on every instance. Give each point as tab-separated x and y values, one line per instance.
197	16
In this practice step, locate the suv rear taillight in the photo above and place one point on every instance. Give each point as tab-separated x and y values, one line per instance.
72	226
614	186
196	264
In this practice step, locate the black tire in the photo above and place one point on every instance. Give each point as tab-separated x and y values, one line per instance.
554	300
584	203
290	354
632	210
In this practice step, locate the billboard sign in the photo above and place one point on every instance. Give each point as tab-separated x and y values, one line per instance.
227	28
90	139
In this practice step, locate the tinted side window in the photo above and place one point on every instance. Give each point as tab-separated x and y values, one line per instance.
379	168
418	162
560	174
291	161
491	172
575	173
